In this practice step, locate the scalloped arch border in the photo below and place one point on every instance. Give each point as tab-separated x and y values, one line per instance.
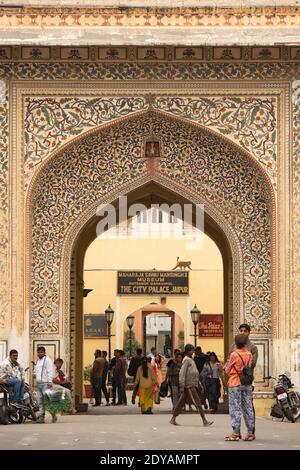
74	230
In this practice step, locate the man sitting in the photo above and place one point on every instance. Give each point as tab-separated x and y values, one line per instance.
13	374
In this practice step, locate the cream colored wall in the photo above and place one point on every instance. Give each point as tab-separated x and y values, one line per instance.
206	283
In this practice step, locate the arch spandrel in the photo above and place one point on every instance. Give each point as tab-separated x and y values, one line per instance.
195	161
52	124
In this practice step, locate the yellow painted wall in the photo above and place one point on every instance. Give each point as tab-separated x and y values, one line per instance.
109	256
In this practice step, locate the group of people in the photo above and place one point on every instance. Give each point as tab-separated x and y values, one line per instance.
116	373
47	375
192	377
102	370
192	380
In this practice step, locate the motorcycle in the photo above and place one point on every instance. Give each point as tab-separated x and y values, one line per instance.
287	400
9	411
14	412
30	405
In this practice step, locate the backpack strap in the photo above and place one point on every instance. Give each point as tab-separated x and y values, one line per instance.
239	374
245	365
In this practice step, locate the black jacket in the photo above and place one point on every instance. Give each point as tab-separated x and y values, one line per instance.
134	364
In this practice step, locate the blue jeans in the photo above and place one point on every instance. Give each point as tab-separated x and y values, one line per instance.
96	384
18	386
41	388
213	387
121	389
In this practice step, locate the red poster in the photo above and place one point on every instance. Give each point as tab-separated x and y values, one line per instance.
211	326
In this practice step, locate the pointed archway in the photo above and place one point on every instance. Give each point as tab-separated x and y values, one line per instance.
196	166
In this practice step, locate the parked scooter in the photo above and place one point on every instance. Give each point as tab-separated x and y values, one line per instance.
287	400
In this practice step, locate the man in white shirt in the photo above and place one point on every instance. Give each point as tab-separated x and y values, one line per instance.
43	374
13	374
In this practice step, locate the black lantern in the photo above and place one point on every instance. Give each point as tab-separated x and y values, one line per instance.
109	316
195	314
130	322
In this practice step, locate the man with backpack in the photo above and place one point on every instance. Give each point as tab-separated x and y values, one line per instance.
240	371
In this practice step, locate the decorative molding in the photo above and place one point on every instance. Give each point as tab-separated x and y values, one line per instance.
4	208
149	54
64	17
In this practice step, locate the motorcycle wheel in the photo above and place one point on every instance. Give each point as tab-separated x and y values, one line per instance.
289	414
296	408
3	414
16	417
31	414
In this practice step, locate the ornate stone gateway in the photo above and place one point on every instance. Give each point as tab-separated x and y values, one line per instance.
74	135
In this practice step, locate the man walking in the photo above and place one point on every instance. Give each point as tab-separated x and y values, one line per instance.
189	383
43	374
13	374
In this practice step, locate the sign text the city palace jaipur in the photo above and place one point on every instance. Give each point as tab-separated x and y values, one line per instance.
153	282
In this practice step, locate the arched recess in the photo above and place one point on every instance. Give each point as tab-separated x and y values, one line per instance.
196	166
154	191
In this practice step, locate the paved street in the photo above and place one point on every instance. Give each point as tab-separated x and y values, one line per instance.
125	428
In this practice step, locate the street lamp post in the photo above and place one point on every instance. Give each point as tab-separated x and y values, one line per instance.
130	322
195	314
109	316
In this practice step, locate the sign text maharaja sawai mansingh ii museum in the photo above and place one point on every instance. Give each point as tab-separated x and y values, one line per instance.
153	283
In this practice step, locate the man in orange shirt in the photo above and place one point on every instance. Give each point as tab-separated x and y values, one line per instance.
240	395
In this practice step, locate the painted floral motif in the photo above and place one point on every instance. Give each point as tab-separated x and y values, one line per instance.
151	71
248	120
50	122
192	158
296	218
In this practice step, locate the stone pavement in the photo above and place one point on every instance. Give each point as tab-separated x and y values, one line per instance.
123	427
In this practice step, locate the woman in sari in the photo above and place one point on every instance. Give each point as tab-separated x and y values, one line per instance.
156	366
144	381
